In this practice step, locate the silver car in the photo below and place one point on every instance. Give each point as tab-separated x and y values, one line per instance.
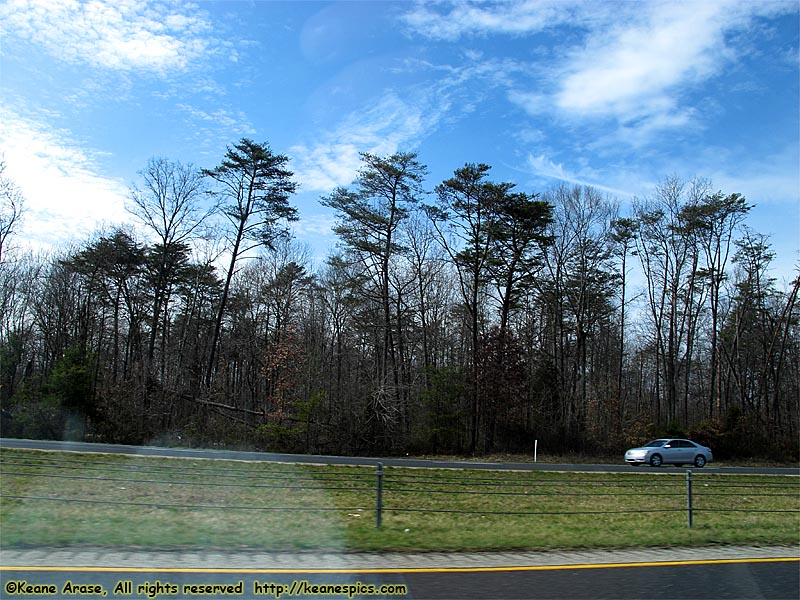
670	451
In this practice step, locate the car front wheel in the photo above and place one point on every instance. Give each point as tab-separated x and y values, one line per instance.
655	460
699	461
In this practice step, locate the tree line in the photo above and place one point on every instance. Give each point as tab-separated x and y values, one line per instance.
472	318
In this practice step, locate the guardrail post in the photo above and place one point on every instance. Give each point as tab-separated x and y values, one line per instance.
689	496
379	497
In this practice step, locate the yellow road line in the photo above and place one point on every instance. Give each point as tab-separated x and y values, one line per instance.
669	563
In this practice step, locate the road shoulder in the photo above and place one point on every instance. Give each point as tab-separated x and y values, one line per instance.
99	557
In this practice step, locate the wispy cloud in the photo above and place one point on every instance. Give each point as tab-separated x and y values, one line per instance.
637	69
395	121
123	35
208	127
542	167
772	180
65	197
631	64
387	126
459	19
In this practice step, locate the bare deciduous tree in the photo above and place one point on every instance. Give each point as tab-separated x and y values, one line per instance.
12	207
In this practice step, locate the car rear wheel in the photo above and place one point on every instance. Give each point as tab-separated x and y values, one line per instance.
655	460
699	461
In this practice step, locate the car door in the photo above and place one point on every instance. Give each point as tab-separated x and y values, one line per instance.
670	451
684	451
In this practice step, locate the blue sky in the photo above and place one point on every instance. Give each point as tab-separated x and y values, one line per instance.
613	95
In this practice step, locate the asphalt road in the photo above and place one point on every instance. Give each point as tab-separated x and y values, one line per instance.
355	460
739	579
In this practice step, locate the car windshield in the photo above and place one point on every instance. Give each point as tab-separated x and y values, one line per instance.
655	444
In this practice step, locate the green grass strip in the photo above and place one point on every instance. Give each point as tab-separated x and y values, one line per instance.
52	499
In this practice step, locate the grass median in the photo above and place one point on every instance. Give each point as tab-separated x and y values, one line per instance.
58	499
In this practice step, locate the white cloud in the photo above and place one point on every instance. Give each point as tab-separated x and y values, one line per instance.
531	102
120	35
772	180
315	225
463	18
543	167
630	63
315	230
386	127
65	198
631	71
326	165
225	120
394	122
636	68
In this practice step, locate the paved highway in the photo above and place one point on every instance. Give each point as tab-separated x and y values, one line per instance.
767	578
709	580
354	460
